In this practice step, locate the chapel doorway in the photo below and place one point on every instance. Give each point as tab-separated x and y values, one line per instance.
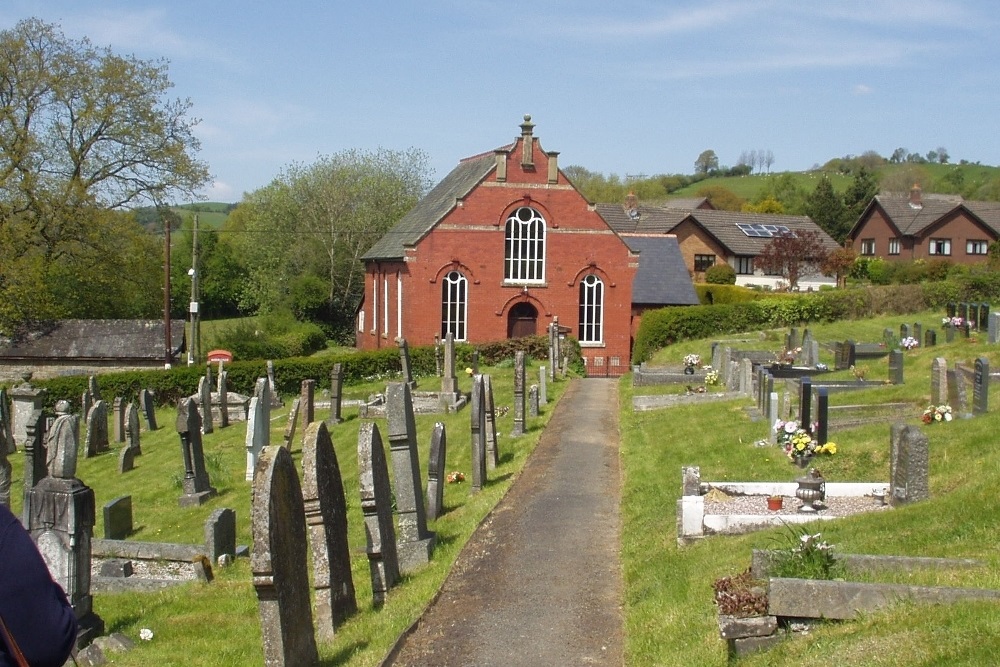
521	320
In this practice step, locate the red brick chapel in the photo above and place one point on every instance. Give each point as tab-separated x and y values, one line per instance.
500	247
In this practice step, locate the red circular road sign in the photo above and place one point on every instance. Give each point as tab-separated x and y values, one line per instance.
220	355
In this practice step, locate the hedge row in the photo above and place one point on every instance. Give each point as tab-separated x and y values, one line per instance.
170	385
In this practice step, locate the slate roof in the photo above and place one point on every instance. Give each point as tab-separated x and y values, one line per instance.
687	202
432	208
661	279
913	221
650	220
94	340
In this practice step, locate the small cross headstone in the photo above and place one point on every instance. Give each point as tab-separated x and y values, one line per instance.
492	444
376	505
908	465
981	386
148	408
197	488
519	397
326	521
896	367
414	542
258	425
436	471
279	562
336	392
939	381
477	418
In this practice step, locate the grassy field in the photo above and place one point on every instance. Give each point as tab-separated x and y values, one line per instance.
217	623
670	616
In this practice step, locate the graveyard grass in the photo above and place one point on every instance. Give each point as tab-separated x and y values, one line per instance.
670	616
218	623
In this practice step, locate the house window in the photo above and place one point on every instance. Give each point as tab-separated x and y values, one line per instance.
361	320
702	262
591	310
524	249
893	246
939	247
454	305
399	305
868	247
976	247
374	303
385	306
744	265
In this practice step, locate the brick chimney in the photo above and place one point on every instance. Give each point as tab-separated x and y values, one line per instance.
528	143
915	193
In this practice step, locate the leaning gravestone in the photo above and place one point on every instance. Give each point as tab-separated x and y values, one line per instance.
981	386
477	414
258	425
326	522
197	488
492	441
376	505
519	397
436	471
404	362
908	465
148	408
293	419
61	522
279	562
132	429
414	542
97	429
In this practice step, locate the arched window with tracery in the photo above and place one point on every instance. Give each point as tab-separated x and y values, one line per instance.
524	246
591	310
454	305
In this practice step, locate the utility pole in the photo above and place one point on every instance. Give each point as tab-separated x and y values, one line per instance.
195	349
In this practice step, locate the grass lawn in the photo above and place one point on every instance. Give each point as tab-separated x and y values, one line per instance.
218	623
670	616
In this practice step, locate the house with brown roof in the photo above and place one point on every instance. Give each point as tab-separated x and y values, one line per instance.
708	236
899	226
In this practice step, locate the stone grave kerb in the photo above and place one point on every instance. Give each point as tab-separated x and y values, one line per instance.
376	506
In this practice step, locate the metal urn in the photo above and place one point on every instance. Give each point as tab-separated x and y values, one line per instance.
811	491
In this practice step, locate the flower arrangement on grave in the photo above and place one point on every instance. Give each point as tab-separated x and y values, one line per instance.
936	413
952	321
788	355
909	343
798	442
455	477
711	376
859	372
692	359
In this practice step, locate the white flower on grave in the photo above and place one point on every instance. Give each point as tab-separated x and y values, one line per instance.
791	426
146	634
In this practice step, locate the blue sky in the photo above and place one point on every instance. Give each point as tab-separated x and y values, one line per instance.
617	87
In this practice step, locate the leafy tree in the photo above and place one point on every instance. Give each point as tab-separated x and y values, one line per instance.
722	198
898	155
792	254
785	189
706	162
942	155
82	131
839	264
767	205
826	208
859	193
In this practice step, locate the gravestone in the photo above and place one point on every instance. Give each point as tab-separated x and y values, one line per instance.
981	386
414	542
852	353
822	415
904	331
118	518
768	392
553	333
888	334
326	522
690	481
805	404
293	419
205	404
148	408
436	471
793	338
307	403
279	562
197	488
126	459
35	457
994	328
908	465
336	392
223	393
896	367
438	356
918	331
984	316
533	401
963	311
86	402
477	418
543	390
957	393
93	388
132	429
475	361
492	439
220	533
61	517
772	415
97	429
949	333
951	308
258	425
25	399
404	362
118	418
746	376
939	381
930	338
449	383
973	315
519	397
376	505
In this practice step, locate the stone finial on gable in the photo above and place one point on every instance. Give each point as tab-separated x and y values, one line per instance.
527	149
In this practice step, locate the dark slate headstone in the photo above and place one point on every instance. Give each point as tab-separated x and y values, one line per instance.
981	386
197	488
376	505
852	353
805	404
822	415
132	429
963	310
930	338
918	331
984	316
436	471
519	394
492	440
326	520
414	542
336	392
118	518
896	367
97	429
477	417
908	465
973	315
404	362
279	562
951	309
904	331
148	408
220	533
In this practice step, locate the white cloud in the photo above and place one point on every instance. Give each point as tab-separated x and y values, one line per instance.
862	89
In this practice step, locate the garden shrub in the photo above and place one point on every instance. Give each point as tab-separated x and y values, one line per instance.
720	274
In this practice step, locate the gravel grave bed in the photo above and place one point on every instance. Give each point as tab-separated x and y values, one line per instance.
717	502
153	569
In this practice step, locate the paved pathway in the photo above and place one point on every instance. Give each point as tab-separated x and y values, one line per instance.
539	583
